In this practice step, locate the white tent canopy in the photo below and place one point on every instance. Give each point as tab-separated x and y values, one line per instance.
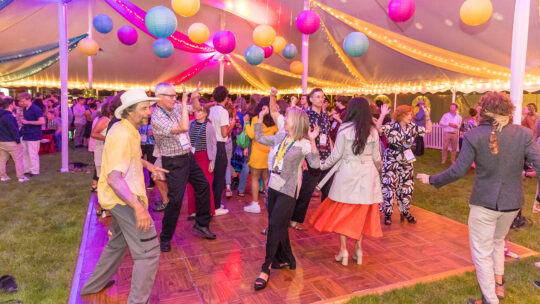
30	23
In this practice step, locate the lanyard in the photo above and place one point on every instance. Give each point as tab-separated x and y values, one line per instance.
405	136
167	114
283	149
198	133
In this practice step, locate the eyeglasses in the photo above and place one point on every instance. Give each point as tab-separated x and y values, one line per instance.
168	95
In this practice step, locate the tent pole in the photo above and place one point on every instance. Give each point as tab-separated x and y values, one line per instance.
453	95
222	60
63	47
395	101
305	53
519	54
90	58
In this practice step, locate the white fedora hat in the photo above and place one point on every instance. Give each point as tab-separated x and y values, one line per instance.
130	98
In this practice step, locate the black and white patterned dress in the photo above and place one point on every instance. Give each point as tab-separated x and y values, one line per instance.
397	172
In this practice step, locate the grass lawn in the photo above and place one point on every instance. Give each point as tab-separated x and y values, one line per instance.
452	201
41	224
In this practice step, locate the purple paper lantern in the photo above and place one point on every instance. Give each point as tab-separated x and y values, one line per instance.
268	51
127	35
308	22
401	10
224	42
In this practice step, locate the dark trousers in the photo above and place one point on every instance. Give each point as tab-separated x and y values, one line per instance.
182	169
419	142
310	179
278	245
148	151
219	173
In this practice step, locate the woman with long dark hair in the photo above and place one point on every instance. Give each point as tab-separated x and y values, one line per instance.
352	206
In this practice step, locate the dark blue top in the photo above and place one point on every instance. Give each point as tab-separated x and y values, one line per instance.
9	130
420	118
31	132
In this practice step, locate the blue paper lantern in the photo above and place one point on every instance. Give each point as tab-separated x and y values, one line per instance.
160	21
254	55
289	51
356	44
103	23
163	48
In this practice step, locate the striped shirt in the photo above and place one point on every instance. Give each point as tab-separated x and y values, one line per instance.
197	135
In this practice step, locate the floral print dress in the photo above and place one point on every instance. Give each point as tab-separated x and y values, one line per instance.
397	172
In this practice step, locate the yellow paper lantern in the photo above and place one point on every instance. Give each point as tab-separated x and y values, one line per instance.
198	33
264	35
475	12
279	44
296	67
186	8
88	46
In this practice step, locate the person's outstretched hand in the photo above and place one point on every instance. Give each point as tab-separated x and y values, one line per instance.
424	178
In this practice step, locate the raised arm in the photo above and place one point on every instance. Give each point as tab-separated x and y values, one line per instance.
384	111
195	95
274	110
429	125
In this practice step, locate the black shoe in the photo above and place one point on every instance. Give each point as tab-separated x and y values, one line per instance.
411	219
30	174
165	246
388	220
8	284
204	232
260	283
536	284
265	231
159	206
191	218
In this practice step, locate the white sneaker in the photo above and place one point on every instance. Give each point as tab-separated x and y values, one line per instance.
23	179
253	208
221	211
5	179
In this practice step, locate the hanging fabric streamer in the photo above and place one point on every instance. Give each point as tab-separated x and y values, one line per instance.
35	68
21	54
189	73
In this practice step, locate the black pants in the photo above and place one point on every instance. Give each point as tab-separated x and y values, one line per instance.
219	173
148	151
278	244
310	179
419	142
182	169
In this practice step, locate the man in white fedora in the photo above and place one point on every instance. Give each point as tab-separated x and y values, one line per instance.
122	191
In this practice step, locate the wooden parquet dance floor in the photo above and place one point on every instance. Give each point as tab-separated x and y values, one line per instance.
223	271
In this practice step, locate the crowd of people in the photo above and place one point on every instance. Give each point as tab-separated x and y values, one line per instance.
357	155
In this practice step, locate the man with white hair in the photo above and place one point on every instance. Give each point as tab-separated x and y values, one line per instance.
170	124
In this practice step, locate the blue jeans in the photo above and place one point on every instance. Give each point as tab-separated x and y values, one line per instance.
243	177
58	141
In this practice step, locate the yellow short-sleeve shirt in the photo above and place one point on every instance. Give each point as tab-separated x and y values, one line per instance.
121	152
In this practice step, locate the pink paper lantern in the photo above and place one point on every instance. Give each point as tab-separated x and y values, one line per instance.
127	35
401	10
268	51
308	22
224	42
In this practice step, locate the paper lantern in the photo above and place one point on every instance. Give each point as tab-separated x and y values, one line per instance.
355	44
475	12
279	44
296	67
88	46
103	23
186	8
289	51
198	33
224	42
127	35
308	22
401	10
160	21
264	35
254	55
163	48
268	51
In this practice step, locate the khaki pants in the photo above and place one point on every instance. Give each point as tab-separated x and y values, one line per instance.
487	230
31	156
144	249
13	149
79	134
452	140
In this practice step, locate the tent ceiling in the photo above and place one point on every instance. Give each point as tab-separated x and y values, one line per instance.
25	24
